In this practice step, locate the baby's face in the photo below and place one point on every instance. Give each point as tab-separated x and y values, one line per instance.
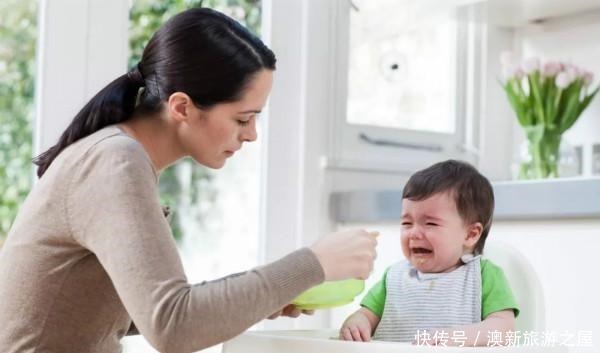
434	236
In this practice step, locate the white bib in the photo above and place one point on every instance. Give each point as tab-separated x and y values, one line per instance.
418	301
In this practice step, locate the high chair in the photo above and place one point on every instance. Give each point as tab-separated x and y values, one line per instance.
524	283
519	272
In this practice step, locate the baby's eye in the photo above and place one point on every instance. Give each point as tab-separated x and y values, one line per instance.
406	224
243	122
431	224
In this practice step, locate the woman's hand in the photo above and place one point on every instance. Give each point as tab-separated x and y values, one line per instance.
346	254
290	310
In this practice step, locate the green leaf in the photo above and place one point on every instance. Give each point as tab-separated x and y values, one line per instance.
516	103
586	101
536	98
551	103
579	109
571	112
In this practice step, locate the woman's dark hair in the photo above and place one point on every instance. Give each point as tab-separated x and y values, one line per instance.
200	52
472	192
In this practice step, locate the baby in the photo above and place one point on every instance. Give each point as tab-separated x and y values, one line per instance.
443	287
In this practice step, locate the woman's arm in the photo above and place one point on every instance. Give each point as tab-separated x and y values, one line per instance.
113	210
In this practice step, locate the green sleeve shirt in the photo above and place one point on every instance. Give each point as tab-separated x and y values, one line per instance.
496	294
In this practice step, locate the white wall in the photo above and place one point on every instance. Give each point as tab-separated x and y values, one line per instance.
565	256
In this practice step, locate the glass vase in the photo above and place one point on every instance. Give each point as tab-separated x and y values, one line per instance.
543	149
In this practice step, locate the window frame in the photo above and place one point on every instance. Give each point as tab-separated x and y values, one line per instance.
404	150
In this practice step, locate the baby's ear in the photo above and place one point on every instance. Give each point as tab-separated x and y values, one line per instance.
473	234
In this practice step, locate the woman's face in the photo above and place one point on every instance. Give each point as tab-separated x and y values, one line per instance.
213	135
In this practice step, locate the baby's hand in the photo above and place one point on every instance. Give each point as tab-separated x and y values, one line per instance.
356	328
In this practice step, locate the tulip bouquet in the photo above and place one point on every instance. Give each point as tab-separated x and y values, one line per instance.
547	99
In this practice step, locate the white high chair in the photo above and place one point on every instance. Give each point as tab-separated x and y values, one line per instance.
521	276
524	283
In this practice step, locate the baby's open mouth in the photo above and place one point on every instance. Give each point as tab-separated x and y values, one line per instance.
421	251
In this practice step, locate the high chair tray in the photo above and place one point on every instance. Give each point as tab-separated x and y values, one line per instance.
318	341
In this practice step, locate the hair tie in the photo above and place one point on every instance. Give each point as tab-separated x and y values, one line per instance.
135	75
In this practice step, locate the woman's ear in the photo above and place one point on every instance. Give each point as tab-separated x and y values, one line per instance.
179	107
473	234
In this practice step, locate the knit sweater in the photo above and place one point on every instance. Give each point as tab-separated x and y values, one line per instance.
91	252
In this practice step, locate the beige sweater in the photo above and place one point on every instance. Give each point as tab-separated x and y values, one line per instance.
90	251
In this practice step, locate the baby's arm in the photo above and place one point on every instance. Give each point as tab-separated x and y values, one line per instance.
359	326
479	334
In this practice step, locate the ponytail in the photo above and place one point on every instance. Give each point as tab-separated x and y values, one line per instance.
115	103
201	52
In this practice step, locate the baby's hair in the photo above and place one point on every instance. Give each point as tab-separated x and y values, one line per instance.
472	192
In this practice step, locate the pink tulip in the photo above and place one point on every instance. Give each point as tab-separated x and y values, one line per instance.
563	80
512	72
573	71
519	73
551	68
531	65
588	77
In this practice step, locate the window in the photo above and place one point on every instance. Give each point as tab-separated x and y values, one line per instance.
18	34
406	84
402	68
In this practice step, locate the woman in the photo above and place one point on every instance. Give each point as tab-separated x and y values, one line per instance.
90	256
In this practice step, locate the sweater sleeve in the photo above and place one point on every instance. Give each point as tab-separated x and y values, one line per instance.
114	211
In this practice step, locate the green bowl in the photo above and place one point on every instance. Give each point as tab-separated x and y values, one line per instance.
330	294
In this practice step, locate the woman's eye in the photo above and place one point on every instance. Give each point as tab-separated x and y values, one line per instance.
245	119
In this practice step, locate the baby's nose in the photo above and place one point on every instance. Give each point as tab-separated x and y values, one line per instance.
415	233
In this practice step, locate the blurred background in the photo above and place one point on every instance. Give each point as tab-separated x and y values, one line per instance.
365	94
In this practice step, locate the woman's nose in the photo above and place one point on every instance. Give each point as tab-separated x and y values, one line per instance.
249	133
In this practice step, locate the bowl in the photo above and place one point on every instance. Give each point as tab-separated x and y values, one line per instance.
329	294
